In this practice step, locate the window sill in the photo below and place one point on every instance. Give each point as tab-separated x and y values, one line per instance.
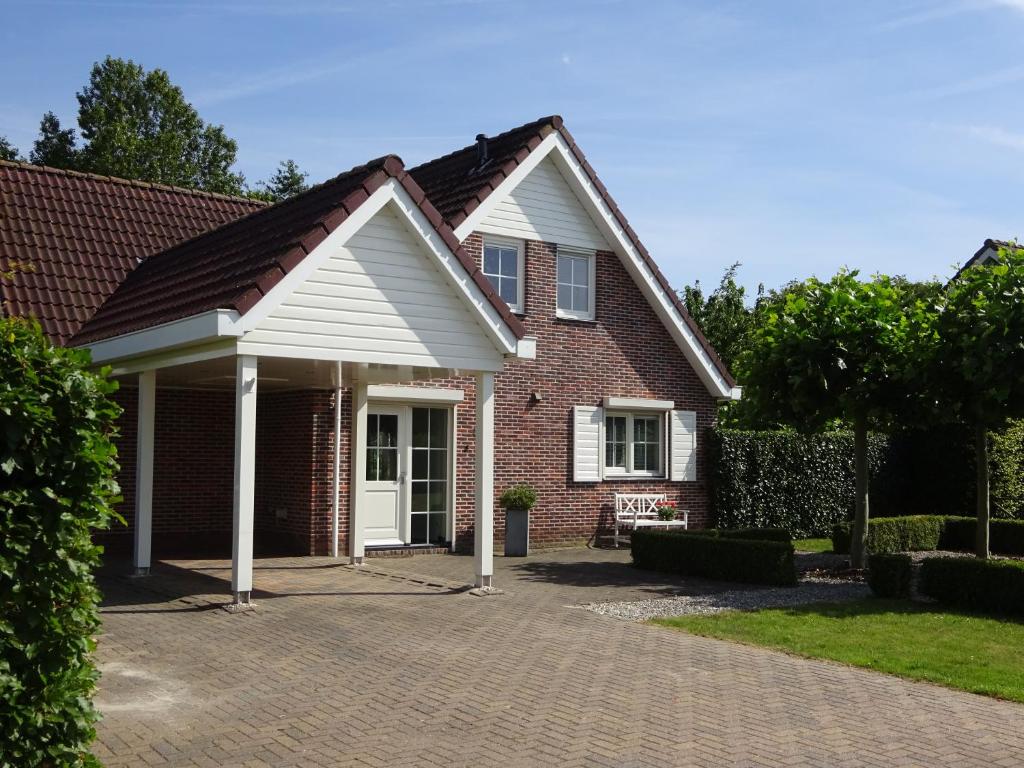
575	318
636	477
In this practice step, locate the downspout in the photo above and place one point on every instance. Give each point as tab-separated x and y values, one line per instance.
336	479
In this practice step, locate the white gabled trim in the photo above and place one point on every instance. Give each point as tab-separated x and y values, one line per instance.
555	146
521	171
638	404
414	394
225	347
177	333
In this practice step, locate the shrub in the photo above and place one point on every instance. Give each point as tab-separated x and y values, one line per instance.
57	469
714	556
889	575
993	586
920	533
805	483
757	534
520	496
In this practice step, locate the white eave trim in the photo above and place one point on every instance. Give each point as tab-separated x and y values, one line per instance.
555	146
637	404
187	331
414	394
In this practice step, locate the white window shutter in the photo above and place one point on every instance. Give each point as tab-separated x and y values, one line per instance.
683	445
586	443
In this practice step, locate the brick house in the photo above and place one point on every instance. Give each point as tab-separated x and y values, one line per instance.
419	340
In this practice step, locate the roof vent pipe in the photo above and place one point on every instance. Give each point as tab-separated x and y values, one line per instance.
481	150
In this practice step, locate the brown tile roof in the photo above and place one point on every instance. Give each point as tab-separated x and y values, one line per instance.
457	184
235	265
77	235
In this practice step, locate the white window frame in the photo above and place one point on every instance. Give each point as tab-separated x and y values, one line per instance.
578	253
627	473
520	247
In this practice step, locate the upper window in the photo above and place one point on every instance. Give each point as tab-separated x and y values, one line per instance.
503	266
634	444
575	284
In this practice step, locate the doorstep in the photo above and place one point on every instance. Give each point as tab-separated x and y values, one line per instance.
407	550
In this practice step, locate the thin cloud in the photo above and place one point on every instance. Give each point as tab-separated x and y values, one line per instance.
939	12
985	82
1000	137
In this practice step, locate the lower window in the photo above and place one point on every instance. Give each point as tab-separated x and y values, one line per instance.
634	444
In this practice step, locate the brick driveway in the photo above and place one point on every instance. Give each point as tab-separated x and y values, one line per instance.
392	666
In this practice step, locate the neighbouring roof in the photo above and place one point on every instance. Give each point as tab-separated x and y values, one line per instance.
75	236
235	265
979	256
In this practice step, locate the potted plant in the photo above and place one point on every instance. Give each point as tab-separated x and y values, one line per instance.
517	502
667	510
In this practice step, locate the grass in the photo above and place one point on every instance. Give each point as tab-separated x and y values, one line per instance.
813	545
899	637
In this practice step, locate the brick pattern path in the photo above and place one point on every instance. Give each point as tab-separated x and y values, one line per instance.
394	666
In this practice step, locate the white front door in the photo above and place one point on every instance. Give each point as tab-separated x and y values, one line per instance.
385	476
409	468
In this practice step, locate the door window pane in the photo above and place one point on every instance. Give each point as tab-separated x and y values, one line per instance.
430	467
420	496
382	447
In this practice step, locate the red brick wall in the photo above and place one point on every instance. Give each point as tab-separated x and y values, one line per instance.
624	352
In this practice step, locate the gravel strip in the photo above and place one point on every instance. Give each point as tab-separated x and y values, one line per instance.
810	590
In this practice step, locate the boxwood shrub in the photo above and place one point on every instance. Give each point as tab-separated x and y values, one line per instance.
991	586
56	482
918	533
714	556
890	575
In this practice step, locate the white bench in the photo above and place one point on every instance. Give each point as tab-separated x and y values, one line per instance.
640	510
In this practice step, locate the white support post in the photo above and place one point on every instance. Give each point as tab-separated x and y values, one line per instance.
336	482
144	473
245	478
483	539
357	500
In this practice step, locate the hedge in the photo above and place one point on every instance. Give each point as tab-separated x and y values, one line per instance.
919	533
805	483
714	556
890	575
57	468
991	586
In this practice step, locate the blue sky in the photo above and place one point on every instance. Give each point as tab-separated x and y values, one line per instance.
794	137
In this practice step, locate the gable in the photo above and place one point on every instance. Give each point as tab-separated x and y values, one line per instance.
378	292
543	207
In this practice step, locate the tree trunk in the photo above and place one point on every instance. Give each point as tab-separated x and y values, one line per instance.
981	463
859	542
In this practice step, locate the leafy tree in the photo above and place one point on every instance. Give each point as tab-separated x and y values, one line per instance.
286	182
973	358
57	466
7	150
723	315
137	125
55	146
833	350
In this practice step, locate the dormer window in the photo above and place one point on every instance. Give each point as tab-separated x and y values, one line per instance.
504	267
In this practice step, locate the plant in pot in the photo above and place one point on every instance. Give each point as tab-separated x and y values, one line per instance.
666	510
517	502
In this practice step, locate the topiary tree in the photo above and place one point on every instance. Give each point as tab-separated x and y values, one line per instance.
973	363
56	483
833	350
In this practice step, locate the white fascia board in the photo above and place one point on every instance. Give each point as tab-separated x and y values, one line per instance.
521	171
414	394
637	404
262	349
555	147
449	264
187	331
183	356
455	273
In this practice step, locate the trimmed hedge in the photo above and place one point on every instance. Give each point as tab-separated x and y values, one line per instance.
56	483
991	586
712	555
805	483
920	533
890	575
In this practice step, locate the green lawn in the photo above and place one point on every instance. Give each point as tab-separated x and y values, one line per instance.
813	545
973	653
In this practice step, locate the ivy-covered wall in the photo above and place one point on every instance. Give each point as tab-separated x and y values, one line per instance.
805	483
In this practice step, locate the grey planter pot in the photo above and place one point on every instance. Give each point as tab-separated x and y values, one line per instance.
517	532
